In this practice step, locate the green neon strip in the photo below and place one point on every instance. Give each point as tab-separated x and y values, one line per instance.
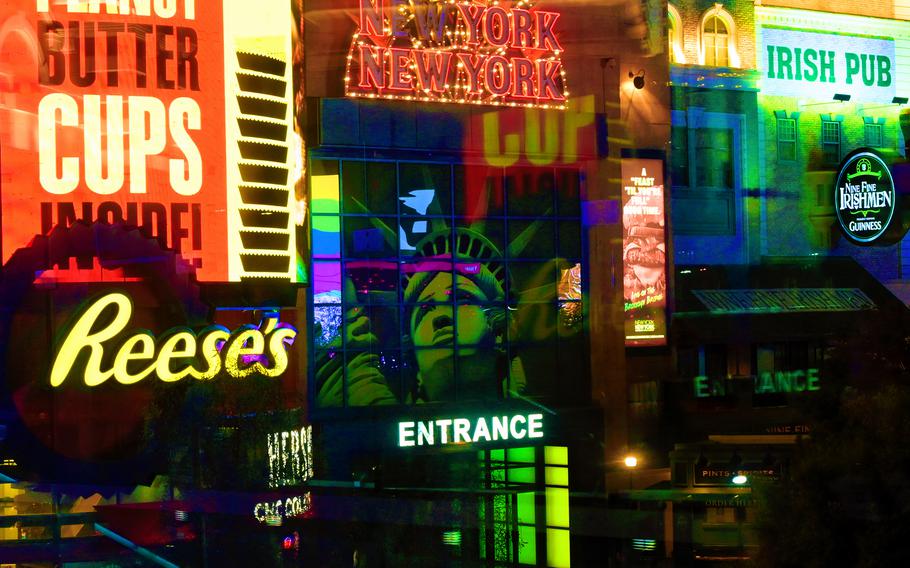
522	455
821	32
327	224
325	206
526	511
521	475
557	507
878	175
558	555
556	455
527	545
557	476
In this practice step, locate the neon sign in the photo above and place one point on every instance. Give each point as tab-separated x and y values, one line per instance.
172	117
290	457
764	383
179	353
864	197
445	431
503	53
274	512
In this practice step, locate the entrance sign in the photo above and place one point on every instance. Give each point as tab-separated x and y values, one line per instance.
818	65
864	197
129	358
471	51
465	431
766	382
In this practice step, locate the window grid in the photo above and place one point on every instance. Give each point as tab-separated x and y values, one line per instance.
715	39
874	135
786	139
334	263
830	141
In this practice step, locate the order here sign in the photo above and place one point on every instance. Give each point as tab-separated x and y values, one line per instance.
127	111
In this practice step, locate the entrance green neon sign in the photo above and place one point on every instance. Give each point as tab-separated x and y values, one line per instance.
764	383
445	431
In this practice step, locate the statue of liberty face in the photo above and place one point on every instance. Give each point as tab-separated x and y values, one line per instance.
439	326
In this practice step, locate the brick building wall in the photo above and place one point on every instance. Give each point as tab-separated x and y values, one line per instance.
693	11
869	8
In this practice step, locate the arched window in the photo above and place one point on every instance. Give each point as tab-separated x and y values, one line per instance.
715	38
674	36
717	46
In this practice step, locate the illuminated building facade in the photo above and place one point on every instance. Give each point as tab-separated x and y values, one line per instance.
769	104
433	282
461	160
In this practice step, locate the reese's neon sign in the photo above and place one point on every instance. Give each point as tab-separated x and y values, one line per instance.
177	354
503	53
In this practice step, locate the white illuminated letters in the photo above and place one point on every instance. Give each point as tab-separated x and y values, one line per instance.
464	430
179	354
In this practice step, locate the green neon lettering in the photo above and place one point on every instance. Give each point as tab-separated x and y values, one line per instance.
812	383
884	71
771	62
811	73
701	387
784	62
852	66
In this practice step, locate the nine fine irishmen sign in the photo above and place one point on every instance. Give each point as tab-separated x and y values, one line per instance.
864	197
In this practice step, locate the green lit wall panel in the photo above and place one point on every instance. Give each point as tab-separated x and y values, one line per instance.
558	548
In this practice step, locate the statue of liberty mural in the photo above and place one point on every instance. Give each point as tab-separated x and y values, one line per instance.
456	325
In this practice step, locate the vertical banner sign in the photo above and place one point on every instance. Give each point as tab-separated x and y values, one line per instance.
471	51
126	111
644	252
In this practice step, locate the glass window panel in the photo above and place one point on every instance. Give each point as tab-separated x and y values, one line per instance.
328	368
325	186
679	155
714	156
478	191
533	281
425	189
326	236
532	239
530	191
369	187
873	134
558	555
374	281
557	476
556	455
568	193
435	374
569	242
371	327
370	237
327	329
326	282
557	507
521	455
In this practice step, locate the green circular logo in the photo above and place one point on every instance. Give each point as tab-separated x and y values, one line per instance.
864	197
